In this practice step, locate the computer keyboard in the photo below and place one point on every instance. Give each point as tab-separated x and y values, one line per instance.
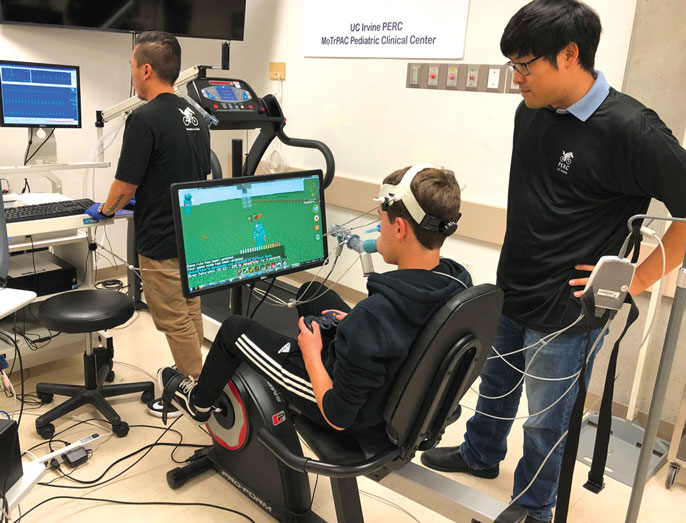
43	211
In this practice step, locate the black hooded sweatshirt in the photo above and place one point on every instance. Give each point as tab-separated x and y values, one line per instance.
373	340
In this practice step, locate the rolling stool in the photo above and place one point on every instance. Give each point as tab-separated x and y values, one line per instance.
88	311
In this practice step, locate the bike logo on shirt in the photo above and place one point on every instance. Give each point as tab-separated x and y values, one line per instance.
188	117
565	162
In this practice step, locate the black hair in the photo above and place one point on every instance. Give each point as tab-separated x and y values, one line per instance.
162	51
544	27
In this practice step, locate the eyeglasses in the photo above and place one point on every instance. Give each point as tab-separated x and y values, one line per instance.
522	67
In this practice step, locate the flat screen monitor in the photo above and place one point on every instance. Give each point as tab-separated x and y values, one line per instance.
39	95
219	19
237	230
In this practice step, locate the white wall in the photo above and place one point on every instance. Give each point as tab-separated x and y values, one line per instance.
360	108
373	124
105	78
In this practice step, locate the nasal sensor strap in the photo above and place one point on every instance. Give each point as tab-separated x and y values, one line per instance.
389	194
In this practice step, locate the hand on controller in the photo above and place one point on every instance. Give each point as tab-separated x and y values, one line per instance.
338	314
310	338
327	321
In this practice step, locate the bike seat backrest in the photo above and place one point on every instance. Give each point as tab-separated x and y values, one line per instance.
443	362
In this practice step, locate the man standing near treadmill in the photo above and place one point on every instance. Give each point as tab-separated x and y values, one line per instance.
165	141
585	158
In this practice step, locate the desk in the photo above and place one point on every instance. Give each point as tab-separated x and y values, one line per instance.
67	237
12	300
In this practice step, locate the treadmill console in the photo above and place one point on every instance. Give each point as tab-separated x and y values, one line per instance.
233	103
230	95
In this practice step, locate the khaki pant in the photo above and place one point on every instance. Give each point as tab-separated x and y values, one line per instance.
177	317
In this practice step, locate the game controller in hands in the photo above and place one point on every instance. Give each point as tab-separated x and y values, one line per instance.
326	321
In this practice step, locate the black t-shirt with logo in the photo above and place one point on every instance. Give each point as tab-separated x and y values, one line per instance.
165	141
573	186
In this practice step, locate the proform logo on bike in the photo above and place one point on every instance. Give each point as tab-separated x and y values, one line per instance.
565	162
189	117
278	418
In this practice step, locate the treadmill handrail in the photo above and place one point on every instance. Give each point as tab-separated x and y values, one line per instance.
312	144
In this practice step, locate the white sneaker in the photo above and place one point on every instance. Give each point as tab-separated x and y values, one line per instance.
156	408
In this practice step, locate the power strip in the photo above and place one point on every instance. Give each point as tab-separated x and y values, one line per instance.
34	470
89	442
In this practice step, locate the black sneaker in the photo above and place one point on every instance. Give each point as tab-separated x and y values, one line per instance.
531	519
177	390
157	408
449	459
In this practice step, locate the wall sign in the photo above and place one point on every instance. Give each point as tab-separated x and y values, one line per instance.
386	28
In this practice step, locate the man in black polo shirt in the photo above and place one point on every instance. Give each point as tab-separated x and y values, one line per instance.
165	141
585	159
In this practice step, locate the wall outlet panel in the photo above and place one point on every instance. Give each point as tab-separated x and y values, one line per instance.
433	76
413	79
421	72
473	77
277	70
451	79
416	72
510	86
502	77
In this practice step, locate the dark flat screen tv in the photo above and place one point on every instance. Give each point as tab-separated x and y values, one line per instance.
219	19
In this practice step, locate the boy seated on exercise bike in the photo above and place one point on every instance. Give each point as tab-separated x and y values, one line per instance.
341	377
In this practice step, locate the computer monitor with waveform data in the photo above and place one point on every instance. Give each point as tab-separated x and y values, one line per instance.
39	95
237	230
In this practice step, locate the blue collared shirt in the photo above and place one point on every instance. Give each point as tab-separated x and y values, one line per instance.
587	105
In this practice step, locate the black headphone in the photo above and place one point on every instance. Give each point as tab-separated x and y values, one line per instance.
445	227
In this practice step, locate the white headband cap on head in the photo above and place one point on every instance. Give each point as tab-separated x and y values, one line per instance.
402	192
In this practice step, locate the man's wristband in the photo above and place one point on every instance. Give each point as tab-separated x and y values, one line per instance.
105	215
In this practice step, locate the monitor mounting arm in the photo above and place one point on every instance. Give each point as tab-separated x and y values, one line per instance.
125	107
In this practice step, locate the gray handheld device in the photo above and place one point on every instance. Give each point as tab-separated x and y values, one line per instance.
610	281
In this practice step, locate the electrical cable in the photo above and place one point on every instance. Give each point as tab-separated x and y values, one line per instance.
389	503
28	146
266	293
618	374
113	133
292	303
109	285
90	483
58	468
524	374
17	356
131	366
8	385
139	503
4	504
544	339
251	286
45	140
137	271
270	298
662	281
559	441
576	379
360	216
